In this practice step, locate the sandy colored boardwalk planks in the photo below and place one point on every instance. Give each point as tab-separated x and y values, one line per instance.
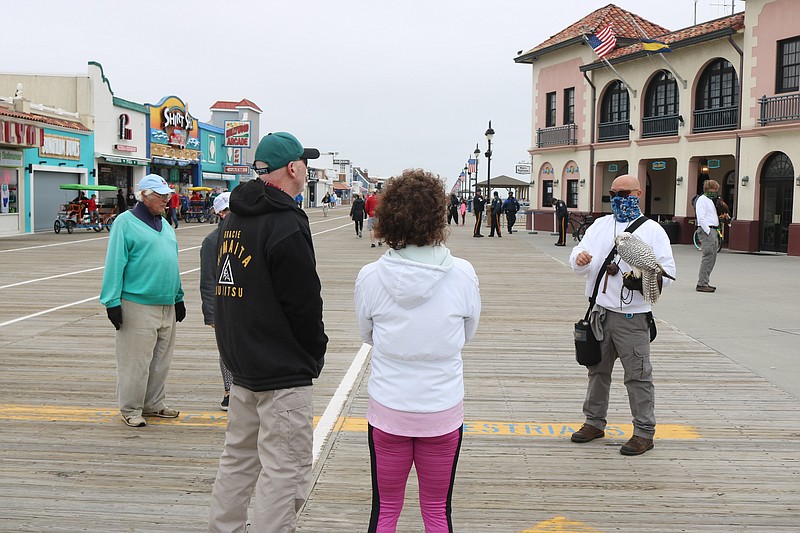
742	473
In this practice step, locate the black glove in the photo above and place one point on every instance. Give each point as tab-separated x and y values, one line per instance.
115	316
631	282
180	311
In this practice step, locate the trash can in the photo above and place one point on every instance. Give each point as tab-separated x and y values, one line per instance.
673	230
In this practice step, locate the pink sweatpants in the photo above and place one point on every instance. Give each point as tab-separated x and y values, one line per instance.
435	459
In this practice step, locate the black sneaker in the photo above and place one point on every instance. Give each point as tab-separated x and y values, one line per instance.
224	403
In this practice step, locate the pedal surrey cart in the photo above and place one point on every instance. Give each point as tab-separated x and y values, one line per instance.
197	209
75	215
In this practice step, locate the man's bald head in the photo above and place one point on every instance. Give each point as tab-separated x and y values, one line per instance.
626	182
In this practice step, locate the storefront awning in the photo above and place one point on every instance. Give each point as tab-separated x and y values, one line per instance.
170	162
117	160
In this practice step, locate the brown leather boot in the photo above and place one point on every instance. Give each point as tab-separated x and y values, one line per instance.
587	433
636	446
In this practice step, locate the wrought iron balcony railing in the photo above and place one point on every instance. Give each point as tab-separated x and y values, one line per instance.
779	108
660	126
557	135
716	119
614	131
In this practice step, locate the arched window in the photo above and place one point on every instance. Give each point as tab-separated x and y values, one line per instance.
718	86
615	113
662	96
717	99
661	106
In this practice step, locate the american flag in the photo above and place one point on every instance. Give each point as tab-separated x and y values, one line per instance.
604	41
471	165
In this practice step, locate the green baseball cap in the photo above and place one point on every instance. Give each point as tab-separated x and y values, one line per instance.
276	150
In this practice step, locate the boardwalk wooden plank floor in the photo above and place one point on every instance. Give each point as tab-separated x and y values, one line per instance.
727	455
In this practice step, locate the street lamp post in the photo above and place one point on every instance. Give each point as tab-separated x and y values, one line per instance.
466	175
489	135
477	154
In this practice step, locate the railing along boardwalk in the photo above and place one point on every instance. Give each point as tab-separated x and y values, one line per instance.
727	455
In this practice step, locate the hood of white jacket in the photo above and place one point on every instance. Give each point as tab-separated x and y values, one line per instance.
411	275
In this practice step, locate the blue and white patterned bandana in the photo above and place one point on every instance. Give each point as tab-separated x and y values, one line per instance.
625	209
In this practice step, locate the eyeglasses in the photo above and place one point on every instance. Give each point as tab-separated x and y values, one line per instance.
622	194
304	160
161	196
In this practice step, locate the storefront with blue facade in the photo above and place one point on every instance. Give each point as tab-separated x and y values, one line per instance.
64	156
214	158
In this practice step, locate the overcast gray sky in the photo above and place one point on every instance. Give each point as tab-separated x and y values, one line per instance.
389	85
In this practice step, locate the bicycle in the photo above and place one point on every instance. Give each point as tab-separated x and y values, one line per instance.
720	233
577	226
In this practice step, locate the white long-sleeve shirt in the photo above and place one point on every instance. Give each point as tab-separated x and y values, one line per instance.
598	241
706	213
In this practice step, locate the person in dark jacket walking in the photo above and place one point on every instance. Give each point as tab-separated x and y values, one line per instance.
510	207
478	204
208	284
268	322
562	216
358	214
495	211
122	202
452	209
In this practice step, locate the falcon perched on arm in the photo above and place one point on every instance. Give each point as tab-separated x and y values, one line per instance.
639	255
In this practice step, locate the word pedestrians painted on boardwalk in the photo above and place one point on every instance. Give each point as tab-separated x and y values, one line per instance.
58	413
560	524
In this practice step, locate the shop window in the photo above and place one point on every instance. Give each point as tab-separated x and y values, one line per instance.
572	193
8	190
547	193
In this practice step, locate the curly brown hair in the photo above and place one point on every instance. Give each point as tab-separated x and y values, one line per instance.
412	210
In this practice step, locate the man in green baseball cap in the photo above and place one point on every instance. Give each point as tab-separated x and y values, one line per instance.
270	335
276	150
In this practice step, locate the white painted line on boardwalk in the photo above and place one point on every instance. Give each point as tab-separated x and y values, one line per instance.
52	244
52	309
335	406
52	277
326	220
40	313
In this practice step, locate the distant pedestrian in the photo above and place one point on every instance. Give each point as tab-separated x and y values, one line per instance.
174	208
452	209
299	200
122	204
463	210
562	216
511	207
495	211
357	214
131	198
268	322
208	285
479	205
370	205
143	298
708	221
417	306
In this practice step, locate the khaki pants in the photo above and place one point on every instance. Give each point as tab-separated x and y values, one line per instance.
629	340
144	354
268	446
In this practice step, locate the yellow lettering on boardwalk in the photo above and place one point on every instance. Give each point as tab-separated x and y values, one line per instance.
559	524
471	427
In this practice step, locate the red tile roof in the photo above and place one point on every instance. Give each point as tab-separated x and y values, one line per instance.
44	120
734	22
225	105
598	19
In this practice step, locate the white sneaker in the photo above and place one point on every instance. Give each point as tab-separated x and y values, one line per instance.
164	413
135	421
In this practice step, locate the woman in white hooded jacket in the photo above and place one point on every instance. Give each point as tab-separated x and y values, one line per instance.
417	305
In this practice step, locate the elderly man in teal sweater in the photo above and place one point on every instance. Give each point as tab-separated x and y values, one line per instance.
143	298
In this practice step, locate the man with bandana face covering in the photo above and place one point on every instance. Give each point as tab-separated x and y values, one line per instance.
619	318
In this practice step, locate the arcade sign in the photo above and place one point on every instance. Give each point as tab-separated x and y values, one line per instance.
237	133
